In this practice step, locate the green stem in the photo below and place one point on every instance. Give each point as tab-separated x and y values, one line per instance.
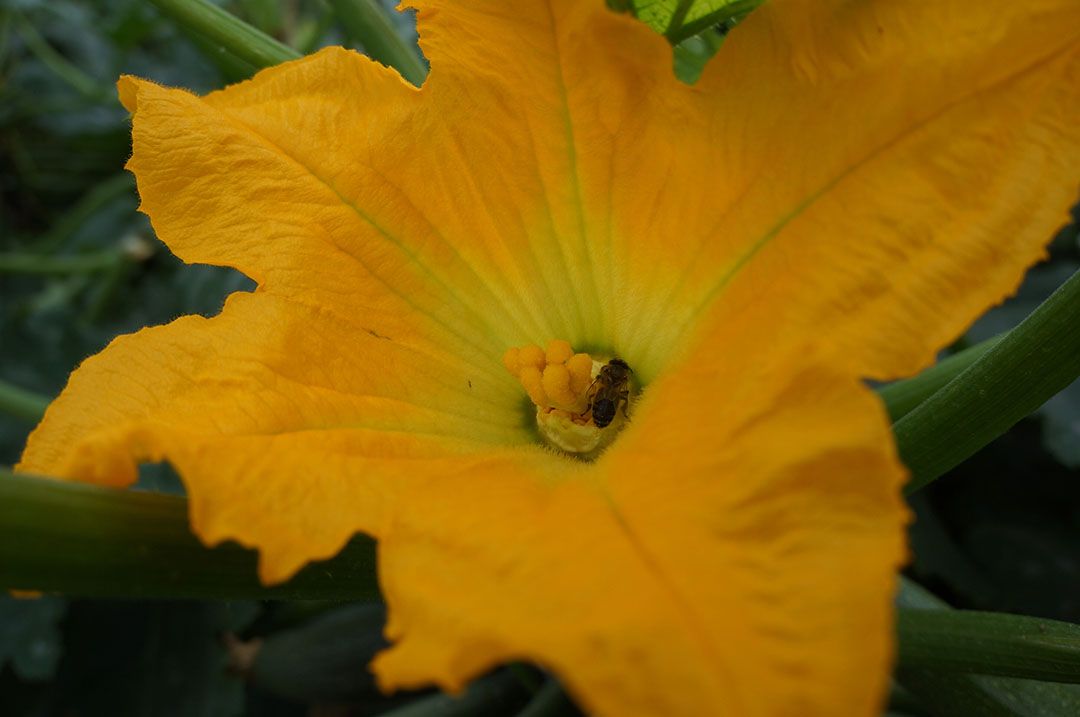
228	31
989	643
22	404
958	693
85	540
366	22
1027	367
901	397
230	67
41	264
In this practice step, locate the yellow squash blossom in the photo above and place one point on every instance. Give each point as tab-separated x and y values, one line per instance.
846	188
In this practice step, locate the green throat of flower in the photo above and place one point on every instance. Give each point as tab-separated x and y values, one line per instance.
581	402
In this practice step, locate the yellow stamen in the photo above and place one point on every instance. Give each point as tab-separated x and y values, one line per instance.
559	382
580	367
512	360
532	356
533	382
557	387
558	351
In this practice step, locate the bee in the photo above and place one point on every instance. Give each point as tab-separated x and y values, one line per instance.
609	391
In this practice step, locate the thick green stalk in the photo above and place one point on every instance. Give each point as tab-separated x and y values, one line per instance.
945	694
366	22
85	540
228	31
902	397
230	67
988	643
22	404
1028	366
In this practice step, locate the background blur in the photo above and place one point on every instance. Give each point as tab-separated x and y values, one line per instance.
79	265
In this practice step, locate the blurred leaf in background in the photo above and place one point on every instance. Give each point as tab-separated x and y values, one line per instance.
78	264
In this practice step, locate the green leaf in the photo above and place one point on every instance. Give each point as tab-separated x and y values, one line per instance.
946	694
1036	360
679	19
226	30
85	540
366	22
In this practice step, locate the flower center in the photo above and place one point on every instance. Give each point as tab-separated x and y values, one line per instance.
581	403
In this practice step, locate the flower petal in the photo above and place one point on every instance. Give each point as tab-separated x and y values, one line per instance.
890	147
779	527
737	546
287	423
281	178
889	171
582	127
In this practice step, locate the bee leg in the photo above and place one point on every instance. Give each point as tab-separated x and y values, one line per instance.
624	401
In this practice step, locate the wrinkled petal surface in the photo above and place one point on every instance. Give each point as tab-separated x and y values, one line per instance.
891	169
848	186
733	553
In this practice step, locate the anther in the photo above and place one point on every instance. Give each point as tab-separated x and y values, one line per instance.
558	351
580	367
557	388
577	398
533	381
